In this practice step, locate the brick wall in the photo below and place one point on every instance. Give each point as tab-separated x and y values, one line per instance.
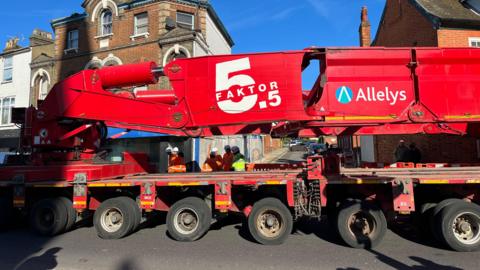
404	26
121	44
456	37
434	148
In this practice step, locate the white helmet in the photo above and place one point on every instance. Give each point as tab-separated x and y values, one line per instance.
175	150
169	149
214	150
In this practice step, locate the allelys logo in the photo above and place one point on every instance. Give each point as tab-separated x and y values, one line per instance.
345	95
240	93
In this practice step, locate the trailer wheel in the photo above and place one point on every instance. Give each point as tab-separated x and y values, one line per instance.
270	222
189	219
49	217
71	213
115	218
361	224
460	226
6	211
434	219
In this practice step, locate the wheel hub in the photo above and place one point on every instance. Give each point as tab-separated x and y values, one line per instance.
361	224
466	228
270	223
186	221
111	220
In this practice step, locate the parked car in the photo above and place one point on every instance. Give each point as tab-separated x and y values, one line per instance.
316	149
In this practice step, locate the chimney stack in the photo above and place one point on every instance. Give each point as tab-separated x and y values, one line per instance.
365	29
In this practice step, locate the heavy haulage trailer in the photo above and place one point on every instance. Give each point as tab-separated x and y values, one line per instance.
62	173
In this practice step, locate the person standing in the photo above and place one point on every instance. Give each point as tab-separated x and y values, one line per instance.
176	163
415	155
213	162
401	152
239	162
227	158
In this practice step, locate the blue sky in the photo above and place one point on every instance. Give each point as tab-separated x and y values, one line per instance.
255	25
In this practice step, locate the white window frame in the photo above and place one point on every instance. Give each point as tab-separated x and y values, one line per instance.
12	105
136	26
103	24
186	25
7	68
472	40
71	45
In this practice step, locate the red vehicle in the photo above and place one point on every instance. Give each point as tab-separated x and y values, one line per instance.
62	173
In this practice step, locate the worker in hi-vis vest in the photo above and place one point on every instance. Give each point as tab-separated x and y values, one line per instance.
176	164
238	160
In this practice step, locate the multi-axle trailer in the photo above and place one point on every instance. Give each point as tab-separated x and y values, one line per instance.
62	173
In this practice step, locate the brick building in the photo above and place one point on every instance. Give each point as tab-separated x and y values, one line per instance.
426	23
42	65
112	32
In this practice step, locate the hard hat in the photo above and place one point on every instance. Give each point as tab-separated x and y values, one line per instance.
214	150
168	150
175	150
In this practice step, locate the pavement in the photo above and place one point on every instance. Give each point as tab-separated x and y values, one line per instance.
226	246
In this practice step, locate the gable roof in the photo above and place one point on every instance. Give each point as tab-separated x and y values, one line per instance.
448	13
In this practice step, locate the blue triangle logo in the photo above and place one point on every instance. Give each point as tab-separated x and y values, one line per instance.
344	95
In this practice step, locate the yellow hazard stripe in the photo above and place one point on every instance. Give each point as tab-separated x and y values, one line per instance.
49	185
146	203
80	202
435	181
181	184
273	182
473	181
466	116
361	181
359	118
222	203
109	184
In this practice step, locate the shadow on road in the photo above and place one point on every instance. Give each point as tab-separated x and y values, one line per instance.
19	246
423	263
48	260
411	233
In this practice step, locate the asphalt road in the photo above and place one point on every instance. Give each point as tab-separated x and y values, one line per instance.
311	246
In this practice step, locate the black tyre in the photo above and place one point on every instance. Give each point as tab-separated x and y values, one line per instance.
361	224
189	219
422	218
434	220
138	216
6	211
49	217
71	213
270	222
460	226
115	218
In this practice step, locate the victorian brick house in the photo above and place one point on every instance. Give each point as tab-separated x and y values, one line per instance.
114	32
425	23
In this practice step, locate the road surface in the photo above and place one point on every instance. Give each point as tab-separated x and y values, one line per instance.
311	246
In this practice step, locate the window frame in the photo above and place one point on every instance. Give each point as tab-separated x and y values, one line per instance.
9	109
136	25
472	40
7	68
70	40
103	24
183	24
